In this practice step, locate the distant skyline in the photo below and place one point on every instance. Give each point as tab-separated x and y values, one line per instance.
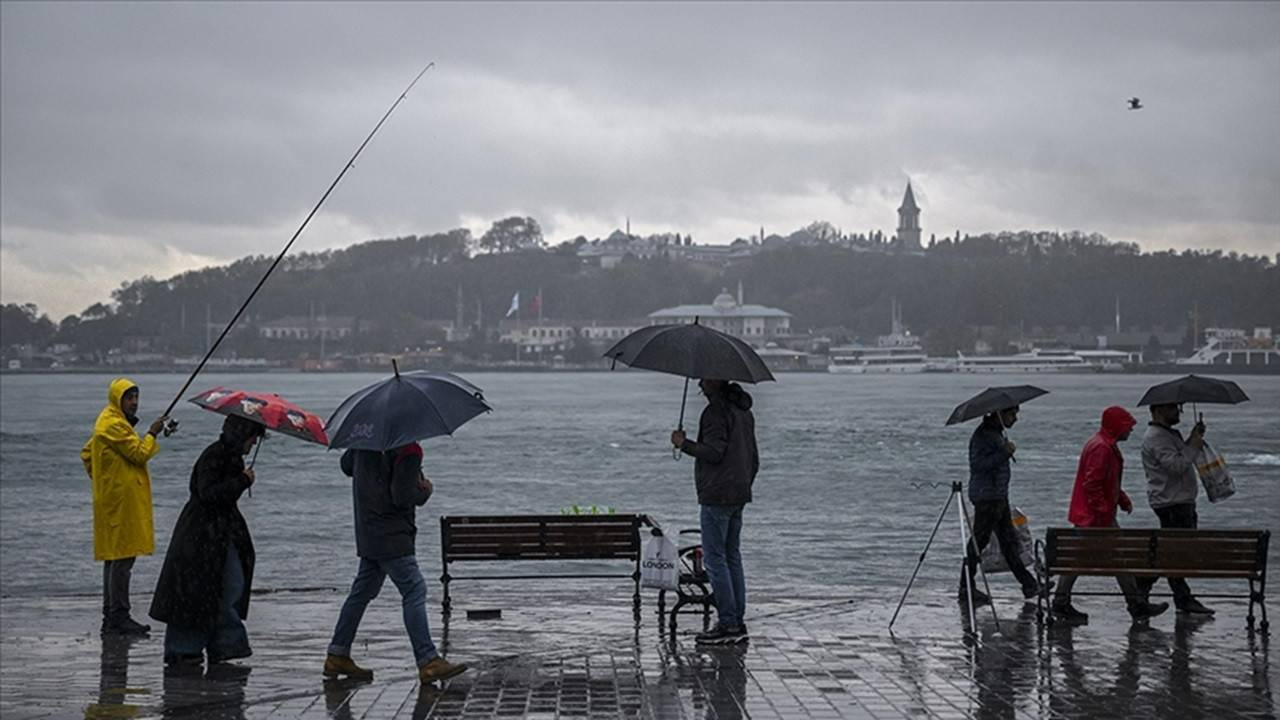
148	138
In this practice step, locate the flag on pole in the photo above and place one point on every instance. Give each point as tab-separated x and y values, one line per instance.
515	304
535	305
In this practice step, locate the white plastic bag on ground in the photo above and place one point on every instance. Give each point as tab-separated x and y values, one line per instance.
660	564
993	559
1212	469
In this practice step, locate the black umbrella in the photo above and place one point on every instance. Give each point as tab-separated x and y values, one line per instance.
994	400
1194	389
691	351
402	409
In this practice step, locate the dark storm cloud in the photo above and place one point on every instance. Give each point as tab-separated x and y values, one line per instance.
185	133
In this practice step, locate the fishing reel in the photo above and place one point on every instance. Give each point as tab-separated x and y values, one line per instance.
170	427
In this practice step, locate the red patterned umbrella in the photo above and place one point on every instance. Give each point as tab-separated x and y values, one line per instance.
268	409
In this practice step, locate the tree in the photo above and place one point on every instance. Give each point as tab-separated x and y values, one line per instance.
24	325
511	234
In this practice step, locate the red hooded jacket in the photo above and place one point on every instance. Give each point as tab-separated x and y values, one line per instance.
1097	492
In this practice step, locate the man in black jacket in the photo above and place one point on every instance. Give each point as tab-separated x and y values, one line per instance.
387	487
725	467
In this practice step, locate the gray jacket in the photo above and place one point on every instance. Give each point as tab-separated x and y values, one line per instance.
386	495
726	457
1169	463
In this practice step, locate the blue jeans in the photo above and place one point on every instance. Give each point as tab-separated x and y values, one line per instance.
721	538
228	637
413	597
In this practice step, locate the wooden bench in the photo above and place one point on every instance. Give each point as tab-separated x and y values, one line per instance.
1161	552
477	538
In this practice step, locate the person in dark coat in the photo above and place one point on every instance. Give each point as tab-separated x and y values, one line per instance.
387	488
726	461
989	455
203	590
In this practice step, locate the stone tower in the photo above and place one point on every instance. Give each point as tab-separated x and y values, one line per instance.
909	222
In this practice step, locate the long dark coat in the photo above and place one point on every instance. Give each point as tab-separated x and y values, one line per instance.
189	591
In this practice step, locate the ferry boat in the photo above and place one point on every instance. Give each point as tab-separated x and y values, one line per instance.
897	352
1231	351
1035	361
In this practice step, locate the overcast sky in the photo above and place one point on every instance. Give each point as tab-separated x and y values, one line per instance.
155	138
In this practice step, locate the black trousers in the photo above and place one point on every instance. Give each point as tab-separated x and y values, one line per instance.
994	517
115	589
1174	516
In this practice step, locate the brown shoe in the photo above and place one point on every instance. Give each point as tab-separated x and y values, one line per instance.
335	665
439	669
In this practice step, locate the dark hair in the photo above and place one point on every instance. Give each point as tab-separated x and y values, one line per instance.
236	430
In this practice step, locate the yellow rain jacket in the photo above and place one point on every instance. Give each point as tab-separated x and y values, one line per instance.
116	460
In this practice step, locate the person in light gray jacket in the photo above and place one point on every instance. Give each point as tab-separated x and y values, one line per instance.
1169	462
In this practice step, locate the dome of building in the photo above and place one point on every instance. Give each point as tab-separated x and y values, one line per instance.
724	301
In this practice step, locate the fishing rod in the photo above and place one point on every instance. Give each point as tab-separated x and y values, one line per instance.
173	424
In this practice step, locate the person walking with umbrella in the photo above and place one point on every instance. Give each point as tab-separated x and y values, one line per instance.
203	589
123	527
990	452
380	426
725	467
1169	462
1094	499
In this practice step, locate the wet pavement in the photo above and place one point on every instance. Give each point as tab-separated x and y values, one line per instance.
569	652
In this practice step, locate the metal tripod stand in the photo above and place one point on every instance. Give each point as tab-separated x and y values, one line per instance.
966	530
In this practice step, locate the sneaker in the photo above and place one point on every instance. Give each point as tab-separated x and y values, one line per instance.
214	659
181	660
1068	613
439	669
722	635
1147	610
1194	607
335	665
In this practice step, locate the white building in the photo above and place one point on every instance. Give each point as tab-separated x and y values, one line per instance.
756	324
307	328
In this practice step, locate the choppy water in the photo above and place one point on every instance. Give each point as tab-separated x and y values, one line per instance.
854	469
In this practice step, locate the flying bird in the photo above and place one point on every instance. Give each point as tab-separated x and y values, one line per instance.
1135	104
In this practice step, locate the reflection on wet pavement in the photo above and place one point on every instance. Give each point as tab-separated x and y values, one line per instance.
814	657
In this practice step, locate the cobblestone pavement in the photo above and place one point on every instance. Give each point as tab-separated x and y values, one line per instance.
553	654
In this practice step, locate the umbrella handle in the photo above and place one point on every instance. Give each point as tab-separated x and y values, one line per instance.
684	397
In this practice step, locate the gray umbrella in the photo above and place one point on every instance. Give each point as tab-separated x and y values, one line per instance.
405	408
691	351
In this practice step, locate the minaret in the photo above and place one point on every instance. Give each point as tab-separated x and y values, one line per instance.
909	222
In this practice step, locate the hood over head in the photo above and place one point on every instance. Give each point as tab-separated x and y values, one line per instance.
1116	421
115	394
734	394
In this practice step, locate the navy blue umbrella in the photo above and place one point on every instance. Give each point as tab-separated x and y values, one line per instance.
406	408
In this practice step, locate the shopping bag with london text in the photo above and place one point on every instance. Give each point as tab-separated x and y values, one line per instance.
1212	468
660	564
993	558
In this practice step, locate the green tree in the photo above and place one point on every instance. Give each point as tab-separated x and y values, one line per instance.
511	234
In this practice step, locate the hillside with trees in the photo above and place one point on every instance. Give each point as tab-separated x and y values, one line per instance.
401	290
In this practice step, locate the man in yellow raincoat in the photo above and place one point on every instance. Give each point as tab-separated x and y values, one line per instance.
116	460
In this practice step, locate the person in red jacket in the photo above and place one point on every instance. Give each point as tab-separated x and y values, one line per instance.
1094	501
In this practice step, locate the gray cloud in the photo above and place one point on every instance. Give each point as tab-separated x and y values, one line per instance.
172	134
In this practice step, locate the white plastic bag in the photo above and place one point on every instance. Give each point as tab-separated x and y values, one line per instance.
660	565
993	559
1212	469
